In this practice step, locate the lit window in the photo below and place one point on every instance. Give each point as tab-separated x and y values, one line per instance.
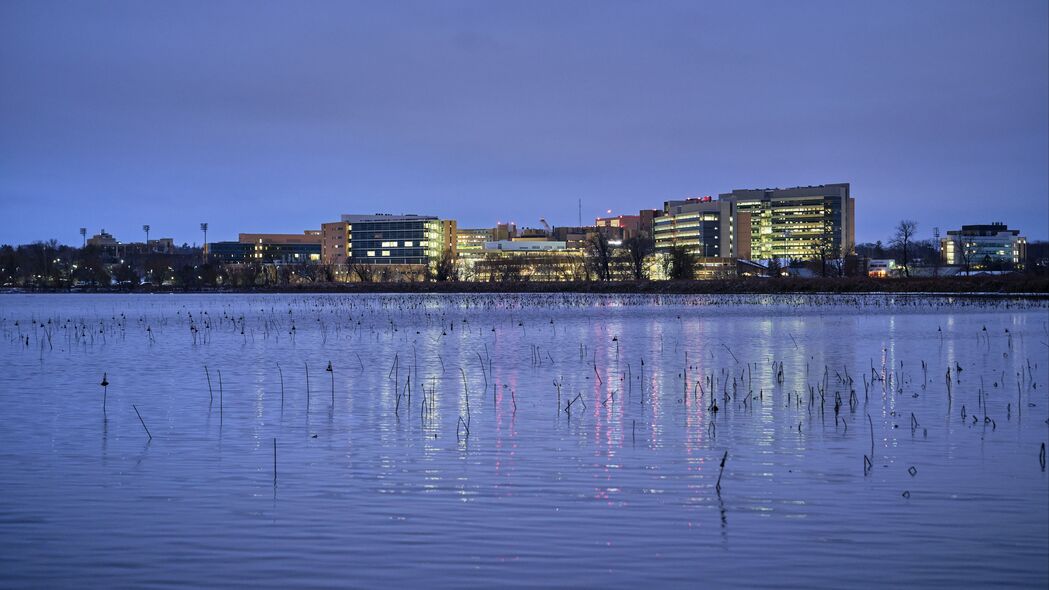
385	252
371	252
407	244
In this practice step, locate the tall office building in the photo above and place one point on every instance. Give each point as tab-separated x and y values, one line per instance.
793	222
708	228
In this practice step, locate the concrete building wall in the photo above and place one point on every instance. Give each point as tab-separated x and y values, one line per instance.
335	242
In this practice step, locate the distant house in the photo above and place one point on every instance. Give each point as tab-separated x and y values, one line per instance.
881	268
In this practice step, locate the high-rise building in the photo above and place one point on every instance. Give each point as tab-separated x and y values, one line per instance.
985	247
708	228
796	222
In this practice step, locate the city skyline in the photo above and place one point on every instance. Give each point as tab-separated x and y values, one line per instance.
271	119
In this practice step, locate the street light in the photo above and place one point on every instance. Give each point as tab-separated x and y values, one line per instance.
145	228
83	235
204	228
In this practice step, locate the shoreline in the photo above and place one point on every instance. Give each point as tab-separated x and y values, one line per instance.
1023	286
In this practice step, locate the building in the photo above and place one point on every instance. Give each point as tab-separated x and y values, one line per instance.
113	249
531	234
526	245
450	238
385	239
230	252
881	268
335	242
472	240
619	227
505	231
287	248
304	248
796	223
102	240
985	247
647	222
708	228
523	260
574	236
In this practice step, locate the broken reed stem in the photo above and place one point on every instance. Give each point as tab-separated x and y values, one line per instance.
281	386
868	462
274	461
466	390
142	421
720	473
211	394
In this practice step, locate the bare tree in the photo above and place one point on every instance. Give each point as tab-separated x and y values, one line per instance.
825	251
445	268
775	269
637	250
905	231
679	263
365	273
965	254
600	256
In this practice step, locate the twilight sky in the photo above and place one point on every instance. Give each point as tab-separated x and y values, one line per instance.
277	116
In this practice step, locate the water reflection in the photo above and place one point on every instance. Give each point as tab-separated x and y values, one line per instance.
383	484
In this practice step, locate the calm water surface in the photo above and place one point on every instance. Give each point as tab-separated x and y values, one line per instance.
583	448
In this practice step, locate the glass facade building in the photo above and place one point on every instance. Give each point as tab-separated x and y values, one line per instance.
393	239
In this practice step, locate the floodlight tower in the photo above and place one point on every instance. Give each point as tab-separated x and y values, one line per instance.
204	228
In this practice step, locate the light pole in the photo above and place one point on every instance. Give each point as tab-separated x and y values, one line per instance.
83	236
204	228
145	228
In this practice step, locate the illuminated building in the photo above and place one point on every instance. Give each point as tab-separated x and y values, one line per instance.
985	247
708	228
385	239
796	222
472	240
881	268
301	248
523	260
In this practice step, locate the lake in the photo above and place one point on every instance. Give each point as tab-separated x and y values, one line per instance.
521	440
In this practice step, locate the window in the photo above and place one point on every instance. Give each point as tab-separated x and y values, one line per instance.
389	244
408	244
385	252
371	252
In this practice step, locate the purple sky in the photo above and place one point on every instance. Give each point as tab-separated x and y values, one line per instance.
267	116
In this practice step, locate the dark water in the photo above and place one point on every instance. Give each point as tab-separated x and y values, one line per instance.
376	490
